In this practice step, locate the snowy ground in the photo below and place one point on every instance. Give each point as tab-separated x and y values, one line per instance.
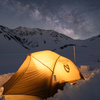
88	89
12	55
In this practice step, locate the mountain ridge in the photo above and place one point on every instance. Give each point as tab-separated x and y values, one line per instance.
19	35
15	44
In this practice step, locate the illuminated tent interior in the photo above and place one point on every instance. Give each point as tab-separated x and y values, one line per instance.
40	75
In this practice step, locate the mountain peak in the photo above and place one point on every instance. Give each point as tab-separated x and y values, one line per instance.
20	28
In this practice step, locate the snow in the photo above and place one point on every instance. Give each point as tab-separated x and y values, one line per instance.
12	55
88	89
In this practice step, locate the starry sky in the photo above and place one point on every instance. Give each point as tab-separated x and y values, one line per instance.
78	19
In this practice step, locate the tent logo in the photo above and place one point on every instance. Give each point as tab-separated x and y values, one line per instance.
66	67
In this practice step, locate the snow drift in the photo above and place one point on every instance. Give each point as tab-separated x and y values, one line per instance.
84	90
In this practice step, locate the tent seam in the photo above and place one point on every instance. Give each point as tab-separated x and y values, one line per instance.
52	74
43	64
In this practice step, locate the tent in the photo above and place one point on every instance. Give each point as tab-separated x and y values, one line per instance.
42	74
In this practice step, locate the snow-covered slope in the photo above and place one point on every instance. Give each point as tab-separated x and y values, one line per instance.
33	38
15	44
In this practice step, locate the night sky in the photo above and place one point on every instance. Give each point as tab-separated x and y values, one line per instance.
79	19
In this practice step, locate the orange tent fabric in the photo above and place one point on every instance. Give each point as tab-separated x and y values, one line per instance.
40	75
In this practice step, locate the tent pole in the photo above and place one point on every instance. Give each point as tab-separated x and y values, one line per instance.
74	55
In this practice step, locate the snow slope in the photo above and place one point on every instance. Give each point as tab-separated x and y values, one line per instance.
15	44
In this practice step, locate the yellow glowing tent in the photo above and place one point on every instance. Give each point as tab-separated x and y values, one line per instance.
40	75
